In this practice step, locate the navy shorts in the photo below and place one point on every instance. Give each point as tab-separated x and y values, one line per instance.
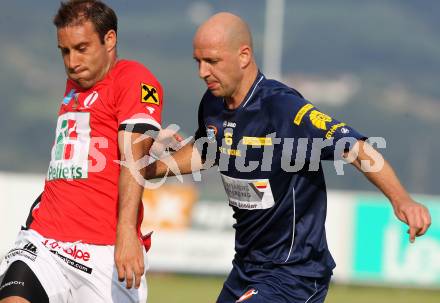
250	283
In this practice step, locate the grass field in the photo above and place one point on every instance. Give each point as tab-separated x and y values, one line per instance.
199	289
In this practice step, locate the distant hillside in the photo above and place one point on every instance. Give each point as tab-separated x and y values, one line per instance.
391	48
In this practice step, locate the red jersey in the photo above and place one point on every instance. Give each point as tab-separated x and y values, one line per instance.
80	198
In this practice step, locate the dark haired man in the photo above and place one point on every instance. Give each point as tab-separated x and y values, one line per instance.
246	123
83	234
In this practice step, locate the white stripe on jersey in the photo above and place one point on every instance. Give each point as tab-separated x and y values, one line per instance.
294	223
142	121
250	96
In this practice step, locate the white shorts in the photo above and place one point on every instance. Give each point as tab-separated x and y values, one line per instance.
73	272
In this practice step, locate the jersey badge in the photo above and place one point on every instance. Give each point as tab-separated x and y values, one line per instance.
345	130
247	295
75	101
150	109
334	128
149	94
68	97
229	124
261	184
248	194
319	120
300	114
211	132
29	251
90	99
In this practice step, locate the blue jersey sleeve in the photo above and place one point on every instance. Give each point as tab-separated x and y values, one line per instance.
299	120
205	137
201	129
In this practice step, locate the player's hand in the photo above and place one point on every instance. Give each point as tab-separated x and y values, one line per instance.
129	258
168	140
415	215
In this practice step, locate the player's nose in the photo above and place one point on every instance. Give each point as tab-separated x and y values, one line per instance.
204	70
72	62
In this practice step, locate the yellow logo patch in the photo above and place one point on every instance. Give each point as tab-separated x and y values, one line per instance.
229	151
332	130
299	116
257	141
228	138
149	94
319	119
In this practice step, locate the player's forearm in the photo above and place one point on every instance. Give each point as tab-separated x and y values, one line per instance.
384	178
387	181
131	177
184	161
130	196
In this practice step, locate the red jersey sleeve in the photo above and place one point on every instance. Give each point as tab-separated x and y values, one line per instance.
138	97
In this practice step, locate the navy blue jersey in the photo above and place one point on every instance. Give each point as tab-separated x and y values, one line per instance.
268	151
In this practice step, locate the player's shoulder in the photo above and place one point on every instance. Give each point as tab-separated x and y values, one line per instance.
132	69
277	97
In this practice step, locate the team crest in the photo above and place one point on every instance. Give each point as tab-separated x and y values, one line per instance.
319	120
149	94
211	132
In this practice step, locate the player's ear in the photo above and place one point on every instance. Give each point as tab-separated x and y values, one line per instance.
110	40
245	56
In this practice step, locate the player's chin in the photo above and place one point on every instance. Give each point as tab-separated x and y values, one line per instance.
216	92
83	83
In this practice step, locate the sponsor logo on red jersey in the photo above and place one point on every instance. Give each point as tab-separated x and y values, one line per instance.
90	99
149	94
71	149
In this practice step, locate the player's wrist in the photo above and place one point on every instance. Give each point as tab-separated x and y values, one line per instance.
400	200
126	226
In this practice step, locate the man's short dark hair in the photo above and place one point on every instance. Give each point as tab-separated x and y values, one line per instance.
76	12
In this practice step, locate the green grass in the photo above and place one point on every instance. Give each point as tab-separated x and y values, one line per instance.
363	294
200	289
182	289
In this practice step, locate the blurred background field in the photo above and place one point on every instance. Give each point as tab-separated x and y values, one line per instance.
372	64
201	289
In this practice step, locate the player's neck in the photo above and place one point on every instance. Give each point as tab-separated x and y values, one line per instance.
237	98
111	64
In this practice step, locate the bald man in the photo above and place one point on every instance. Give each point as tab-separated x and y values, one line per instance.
254	128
